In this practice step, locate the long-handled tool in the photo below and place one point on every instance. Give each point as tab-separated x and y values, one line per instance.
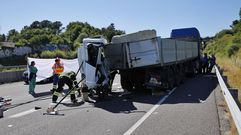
52	109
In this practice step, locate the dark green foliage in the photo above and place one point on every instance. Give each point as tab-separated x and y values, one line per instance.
240	14
2	38
13	35
39	39
110	31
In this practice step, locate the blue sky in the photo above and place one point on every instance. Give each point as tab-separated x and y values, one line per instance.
209	16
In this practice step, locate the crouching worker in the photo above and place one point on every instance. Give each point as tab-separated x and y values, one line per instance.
69	79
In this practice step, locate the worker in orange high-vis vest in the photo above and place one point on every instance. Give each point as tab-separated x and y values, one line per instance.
58	68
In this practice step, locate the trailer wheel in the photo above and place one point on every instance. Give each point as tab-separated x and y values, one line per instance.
126	81
170	84
102	92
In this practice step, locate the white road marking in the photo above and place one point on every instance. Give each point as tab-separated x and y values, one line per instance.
143	118
23	113
10	126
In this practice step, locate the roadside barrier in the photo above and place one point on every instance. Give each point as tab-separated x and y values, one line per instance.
12	76
19	66
233	107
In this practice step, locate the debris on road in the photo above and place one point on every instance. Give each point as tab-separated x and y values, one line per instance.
3	103
37	108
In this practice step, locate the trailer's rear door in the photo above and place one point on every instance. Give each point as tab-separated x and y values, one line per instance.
143	53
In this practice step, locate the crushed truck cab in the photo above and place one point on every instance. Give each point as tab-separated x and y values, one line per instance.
93	65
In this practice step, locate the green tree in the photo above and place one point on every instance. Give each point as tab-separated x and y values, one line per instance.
12	35
57	40
39	39
35	24
57	27
110	31
45	31
240	14
45	24
235	22
22	42
2	38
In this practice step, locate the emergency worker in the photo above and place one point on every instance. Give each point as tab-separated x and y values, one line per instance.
68	78
32	77
212	62
58	68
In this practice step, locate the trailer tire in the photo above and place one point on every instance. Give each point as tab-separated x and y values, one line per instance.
126	81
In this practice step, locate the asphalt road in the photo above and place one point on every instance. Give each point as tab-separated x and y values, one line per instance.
189	109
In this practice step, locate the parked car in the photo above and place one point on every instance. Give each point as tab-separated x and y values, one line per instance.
25	79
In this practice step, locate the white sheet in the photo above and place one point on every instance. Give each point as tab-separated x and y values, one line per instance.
44	67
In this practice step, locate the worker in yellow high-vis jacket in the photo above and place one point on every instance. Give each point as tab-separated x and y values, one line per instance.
58	68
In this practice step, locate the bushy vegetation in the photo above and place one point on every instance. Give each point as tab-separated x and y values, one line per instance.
227	43
58	53
47	32
44	32
12	69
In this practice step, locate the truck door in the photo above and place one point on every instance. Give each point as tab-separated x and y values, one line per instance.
142	53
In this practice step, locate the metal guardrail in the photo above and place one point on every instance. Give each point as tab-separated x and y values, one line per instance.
19	66
233	107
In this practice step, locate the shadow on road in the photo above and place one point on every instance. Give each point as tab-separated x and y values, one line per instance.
194	90
125	104
42	94
46	93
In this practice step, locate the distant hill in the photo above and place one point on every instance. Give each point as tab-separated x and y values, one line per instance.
227	42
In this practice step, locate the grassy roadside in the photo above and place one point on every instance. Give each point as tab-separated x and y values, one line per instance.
12	69
233	73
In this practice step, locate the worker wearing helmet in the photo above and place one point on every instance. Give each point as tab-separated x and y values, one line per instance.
58	68
68	78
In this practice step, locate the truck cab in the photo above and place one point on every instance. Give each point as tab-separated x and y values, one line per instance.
93	65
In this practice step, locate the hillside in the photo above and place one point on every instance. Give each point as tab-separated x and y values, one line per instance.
226	45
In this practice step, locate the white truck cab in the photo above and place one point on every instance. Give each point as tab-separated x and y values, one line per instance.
92	62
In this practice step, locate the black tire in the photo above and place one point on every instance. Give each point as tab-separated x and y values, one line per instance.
126	81
103	92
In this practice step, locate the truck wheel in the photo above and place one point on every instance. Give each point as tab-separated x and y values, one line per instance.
126	82
139	86
170	84
102	92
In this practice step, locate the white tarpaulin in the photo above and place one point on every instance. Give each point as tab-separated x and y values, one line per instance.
44	67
